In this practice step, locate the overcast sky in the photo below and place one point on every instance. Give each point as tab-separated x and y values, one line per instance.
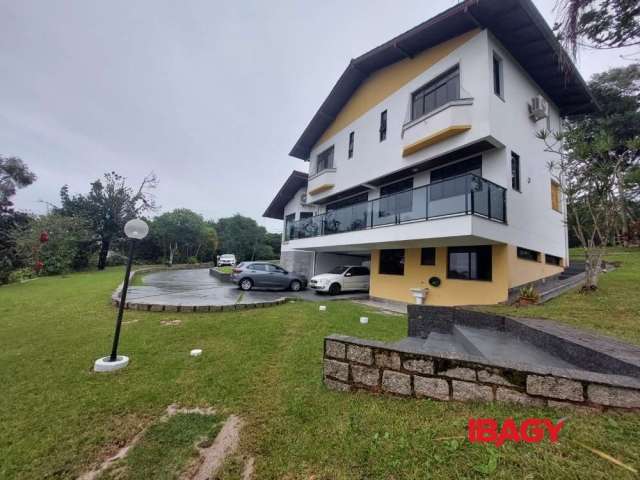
210	95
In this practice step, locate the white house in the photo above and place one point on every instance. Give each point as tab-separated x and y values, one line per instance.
423	160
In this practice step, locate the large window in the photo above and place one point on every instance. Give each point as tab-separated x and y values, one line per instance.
469	263
396	203
391	262
526	254
347	202
498	87
436	93
515	171
439	190
325	160
289	221
428	256
383	126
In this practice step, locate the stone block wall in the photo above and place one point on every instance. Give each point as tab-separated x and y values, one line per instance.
355	364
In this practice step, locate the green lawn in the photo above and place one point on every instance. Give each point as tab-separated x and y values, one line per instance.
58	418
613	310
225	269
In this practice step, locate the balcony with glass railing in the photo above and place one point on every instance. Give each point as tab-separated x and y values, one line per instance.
467	194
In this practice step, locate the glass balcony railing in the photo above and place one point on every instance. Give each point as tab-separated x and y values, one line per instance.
463	195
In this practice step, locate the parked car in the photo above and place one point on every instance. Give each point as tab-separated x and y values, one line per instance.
266	275
227	259
341	279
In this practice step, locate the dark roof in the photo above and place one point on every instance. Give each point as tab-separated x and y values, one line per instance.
295	182
517	24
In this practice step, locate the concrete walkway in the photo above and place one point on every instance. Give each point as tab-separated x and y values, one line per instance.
198	288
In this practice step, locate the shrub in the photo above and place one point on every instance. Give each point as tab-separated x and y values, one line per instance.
529	292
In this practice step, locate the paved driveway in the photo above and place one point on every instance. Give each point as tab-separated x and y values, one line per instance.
197	287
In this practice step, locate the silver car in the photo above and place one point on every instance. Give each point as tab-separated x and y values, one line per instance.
248	275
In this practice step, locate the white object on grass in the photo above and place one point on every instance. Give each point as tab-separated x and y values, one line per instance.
196	352
104	365
364	320
323	308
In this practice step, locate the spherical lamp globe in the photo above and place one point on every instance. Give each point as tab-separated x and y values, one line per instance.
136	228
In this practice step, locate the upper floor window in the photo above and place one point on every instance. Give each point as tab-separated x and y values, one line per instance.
325	160
395	198
436	93
498	87
515	171
351	138
555	196
383	126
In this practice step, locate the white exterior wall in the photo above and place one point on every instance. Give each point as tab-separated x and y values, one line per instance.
532	223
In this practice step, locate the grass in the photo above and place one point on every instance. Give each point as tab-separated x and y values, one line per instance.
225	269
59	419
612	310
166	448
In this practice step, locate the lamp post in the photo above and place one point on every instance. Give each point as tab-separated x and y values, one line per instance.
135	229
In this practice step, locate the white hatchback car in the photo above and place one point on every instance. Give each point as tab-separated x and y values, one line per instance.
227	259
341	279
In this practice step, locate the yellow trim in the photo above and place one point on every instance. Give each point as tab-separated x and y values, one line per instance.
382	83
450	292
321	188
522	271
434	138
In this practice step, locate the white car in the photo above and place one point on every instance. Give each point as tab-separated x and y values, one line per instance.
341	279
227	259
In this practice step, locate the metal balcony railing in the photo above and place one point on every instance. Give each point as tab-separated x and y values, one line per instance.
466	194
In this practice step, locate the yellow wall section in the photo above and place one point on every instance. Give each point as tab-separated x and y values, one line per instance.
379	85
526	271
450	292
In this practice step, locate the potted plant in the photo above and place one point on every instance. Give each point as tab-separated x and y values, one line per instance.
528	295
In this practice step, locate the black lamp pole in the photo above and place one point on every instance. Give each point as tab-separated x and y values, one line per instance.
123	299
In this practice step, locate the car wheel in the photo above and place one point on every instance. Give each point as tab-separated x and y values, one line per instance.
246	284
334	289
295	286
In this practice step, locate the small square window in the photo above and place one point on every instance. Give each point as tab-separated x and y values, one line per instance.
428	256
526	254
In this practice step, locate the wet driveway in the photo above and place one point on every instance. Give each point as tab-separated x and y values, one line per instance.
197	287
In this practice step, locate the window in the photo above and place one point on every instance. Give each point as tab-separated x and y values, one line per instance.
555	196
436	93
289	226
359	271
428	256
439	190
515	171
306	215
498	88
260	267
390	205
469	263
553	260
391	262
325	160
273	268
526	254
347	202
383	126
351	137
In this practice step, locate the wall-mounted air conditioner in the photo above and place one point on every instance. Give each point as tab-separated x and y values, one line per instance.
303	199
538	108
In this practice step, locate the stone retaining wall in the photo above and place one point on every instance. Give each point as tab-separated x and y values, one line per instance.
155	307
223	277
355	364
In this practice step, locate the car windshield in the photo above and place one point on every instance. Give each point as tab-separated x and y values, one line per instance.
227	257
338	270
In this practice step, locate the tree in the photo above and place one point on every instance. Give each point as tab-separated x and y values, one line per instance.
14	174
603	24
67	248
109	204
183	232
243	237
587	168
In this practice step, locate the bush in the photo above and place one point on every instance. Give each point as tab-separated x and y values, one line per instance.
69	246
115	259
193	260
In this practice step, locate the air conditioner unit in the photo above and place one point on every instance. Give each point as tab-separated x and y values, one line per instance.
303	199
538	108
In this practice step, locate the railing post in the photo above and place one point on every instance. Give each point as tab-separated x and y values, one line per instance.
467	192
426	201
473	198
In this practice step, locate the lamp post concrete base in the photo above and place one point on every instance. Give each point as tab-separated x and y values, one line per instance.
104	365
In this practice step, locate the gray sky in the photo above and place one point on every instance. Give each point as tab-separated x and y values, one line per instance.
210	95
